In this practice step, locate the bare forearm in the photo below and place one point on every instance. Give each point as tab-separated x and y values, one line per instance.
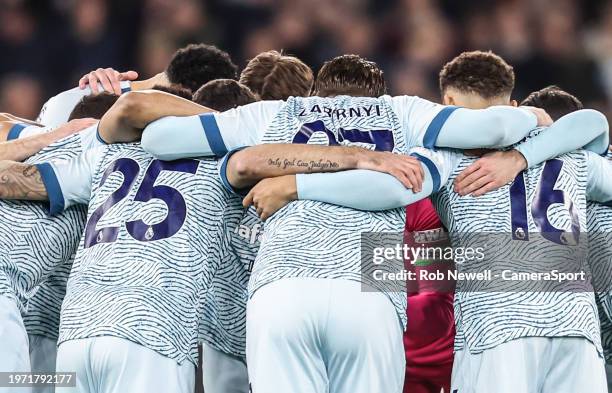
250	165
125	121
21	181
21	149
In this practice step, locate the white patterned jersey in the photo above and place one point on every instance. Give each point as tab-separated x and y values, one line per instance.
533	226
223	324
33	244
144	258
599	222
314	239
58	108
43	310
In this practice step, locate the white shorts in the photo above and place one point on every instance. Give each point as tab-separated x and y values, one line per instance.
43	352
531	365
309	335
14	351
223	373
114	365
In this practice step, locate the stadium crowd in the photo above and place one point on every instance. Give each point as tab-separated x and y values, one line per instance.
563	42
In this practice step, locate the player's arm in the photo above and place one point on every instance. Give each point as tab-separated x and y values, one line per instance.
585	128
357	189
209	134
494	127
8	123
428	124
107	79
599	186
21	181
133	111
63	184
25	141
57	109
244	168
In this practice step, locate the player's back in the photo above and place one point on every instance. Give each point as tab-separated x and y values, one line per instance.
599	223
143	260
223	324
536	225
314	239
34	244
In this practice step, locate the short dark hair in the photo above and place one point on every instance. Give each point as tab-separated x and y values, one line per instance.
350	75
483	73
273	75
554	100
93	105
197	64
175	90
223	94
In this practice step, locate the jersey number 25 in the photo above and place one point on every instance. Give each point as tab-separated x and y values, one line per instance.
147	191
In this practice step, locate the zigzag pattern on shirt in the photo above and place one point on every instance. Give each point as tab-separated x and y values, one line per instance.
35	247
488	315
318	240
147	291
599	221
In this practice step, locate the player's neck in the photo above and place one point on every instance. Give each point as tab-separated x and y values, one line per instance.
159	79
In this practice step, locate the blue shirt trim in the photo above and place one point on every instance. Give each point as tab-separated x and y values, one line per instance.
434	128
223	174
213	134
54	191
15	131
433	170
98	137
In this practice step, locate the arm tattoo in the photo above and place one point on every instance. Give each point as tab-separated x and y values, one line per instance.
307	166
21	181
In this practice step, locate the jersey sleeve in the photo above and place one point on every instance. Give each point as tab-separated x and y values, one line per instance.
361	189
23	130
57	109
421	119
599	186
585	128
209	134
69	182
90	138
432	125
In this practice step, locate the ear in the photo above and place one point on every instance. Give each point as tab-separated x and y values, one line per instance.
448	99
514	102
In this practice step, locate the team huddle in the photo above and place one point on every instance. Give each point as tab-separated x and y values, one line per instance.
142	220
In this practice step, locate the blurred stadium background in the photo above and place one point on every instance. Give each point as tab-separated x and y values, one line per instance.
46	45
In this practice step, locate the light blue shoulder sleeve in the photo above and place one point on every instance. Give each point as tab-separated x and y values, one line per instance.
494	127
599	186
586	128
360	189
371	190
209	134
57	109
69	182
